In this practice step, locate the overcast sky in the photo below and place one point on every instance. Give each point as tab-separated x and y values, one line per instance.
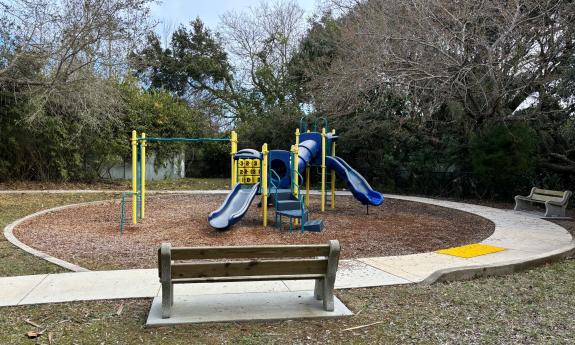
176	12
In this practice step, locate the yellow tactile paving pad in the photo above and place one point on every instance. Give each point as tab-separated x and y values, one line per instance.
470	250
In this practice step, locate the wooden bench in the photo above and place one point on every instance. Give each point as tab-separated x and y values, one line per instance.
555	201
281	262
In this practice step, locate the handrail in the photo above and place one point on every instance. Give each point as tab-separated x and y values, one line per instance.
300	199
276	186
325	123
122	212
302	124
315	124
299	176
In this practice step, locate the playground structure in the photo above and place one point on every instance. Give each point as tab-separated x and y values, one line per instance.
138	192
278	176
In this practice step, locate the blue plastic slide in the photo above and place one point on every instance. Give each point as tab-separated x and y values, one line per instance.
234	207
358	186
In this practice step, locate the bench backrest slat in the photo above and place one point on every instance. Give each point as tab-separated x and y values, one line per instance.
555	193
248	252
547	195
249	268
540	197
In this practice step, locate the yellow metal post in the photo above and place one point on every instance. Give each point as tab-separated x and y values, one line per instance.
333	173
143	175
323	169
307	172
265	183
294	153
234	140
134	177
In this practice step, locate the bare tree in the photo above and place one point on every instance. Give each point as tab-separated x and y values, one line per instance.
168	27
482	57
263	36
60	53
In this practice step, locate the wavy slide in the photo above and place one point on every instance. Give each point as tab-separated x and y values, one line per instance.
310	151
358	186
234	207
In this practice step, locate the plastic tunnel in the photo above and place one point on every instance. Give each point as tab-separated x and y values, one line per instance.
309	153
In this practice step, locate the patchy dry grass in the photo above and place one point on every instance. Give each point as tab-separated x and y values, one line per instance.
180	184
190	184
533	307
14	261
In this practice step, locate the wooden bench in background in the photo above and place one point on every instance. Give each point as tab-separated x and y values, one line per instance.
281	262
555	201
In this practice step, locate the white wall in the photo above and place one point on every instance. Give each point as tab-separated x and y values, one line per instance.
172	169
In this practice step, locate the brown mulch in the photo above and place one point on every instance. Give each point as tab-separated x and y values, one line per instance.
89	235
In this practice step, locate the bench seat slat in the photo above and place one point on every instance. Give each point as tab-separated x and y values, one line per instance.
248	278
282	251
249	268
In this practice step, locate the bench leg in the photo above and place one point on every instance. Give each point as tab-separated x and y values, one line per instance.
554	211
318	289
167	299
328	285
522	205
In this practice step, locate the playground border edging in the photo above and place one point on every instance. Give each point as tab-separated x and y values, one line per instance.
9	234
8	230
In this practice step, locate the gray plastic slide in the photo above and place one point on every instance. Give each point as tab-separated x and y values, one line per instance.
234	207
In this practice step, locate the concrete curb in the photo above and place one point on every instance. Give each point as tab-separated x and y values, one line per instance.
504	268
9	229
9	234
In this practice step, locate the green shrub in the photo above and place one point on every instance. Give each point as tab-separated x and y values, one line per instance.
503	159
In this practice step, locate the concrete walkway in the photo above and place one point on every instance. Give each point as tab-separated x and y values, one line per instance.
528	240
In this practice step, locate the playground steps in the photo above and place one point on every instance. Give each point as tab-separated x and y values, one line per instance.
289	206
282	194
292	213
316	225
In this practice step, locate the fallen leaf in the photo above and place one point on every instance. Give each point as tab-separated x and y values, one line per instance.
33	334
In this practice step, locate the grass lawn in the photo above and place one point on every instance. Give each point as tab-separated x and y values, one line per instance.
180	184
532	307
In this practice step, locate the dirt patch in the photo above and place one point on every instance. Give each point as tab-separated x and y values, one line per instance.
89	235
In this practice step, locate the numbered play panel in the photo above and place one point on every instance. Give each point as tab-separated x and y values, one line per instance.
249	171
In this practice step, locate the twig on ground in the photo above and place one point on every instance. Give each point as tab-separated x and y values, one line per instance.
30	322
120	309
362	326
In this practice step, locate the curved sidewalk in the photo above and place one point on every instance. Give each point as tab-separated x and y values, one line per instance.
528	240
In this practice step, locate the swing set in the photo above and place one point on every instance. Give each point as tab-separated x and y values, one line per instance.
138	192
